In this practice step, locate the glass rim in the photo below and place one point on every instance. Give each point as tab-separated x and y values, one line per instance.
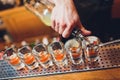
40	44
68	43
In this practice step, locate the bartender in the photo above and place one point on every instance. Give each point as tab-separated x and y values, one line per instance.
94	15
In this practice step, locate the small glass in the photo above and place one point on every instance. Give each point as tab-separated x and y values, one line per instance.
74	48
42	55
28	58
13	59
92	48
58	53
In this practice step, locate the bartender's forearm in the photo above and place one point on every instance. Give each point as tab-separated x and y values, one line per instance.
115	7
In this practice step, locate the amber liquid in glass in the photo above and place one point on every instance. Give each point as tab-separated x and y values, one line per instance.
14	60
60	58
92	53
44	57
75	54
29	59
58	55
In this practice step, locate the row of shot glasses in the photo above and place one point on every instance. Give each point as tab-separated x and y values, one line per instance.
54	54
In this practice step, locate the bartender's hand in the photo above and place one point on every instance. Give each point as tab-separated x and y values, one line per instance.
65	17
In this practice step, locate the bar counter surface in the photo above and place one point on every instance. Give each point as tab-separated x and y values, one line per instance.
109	74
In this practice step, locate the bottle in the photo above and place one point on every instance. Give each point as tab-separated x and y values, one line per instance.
41	8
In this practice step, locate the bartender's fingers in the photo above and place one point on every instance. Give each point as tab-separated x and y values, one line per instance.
62	28
66	33
53	24
53	19
84	31
56	28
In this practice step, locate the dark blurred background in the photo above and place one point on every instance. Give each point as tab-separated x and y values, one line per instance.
102	17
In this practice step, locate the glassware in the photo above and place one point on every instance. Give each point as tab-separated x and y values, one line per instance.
43	56
41	8
74	48
58	53
28	57
92	48
13	59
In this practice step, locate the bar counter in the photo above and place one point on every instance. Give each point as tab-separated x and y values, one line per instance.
109	74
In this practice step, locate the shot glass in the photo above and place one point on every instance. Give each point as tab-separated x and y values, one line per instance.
25	53
58	53
43	56
74	48
13	59
92	48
